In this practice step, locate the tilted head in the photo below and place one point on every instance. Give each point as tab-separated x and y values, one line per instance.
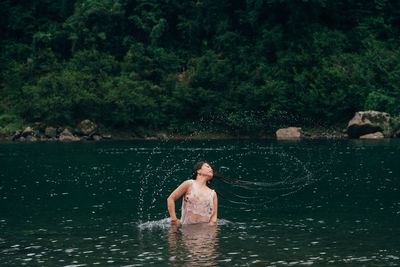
204	169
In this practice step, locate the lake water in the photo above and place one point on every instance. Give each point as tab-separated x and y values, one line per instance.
313	203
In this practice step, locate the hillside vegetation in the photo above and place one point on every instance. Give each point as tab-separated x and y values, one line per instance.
233	66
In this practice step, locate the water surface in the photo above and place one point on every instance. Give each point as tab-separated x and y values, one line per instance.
317	203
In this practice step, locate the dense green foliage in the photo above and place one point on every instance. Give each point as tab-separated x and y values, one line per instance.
240	66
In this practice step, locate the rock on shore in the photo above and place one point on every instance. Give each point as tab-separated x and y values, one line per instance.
66	135
50	132
86	128
291	133
367	122
377	135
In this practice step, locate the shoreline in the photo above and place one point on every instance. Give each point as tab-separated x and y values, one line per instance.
307	134
364	125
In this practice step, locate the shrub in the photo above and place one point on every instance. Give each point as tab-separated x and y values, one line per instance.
379	101
9	123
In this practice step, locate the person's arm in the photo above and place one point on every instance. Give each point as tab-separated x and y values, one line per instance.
213	219
176	194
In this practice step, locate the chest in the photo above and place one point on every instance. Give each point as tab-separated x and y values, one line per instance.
199	197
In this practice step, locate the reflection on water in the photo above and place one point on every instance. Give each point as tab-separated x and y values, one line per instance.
193	245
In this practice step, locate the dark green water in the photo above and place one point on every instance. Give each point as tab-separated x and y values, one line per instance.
322	203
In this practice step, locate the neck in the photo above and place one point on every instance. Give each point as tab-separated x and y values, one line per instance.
201	180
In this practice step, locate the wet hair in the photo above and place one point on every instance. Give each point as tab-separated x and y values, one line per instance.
217	177
197	167
245	192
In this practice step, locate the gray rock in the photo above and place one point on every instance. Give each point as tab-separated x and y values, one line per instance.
43	138
27	132
162	136
291	133
50	132
396	133
106	136
96	137
86	127
366	122
31	138
377	135
66	135
16	135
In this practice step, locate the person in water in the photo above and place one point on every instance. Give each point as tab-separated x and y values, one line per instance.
200	203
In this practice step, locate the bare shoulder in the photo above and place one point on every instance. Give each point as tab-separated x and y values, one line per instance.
180	190
187	182
185	185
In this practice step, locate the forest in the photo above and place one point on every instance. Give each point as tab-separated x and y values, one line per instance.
244	66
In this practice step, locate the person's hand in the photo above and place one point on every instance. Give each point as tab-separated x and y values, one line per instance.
175	222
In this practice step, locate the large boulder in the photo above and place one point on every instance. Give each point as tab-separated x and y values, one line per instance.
291	133
66	135
377	135
366	122
86	127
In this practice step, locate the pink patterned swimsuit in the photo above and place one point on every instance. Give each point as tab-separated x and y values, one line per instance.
197	208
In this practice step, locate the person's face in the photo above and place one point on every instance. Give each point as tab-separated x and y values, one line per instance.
206	170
